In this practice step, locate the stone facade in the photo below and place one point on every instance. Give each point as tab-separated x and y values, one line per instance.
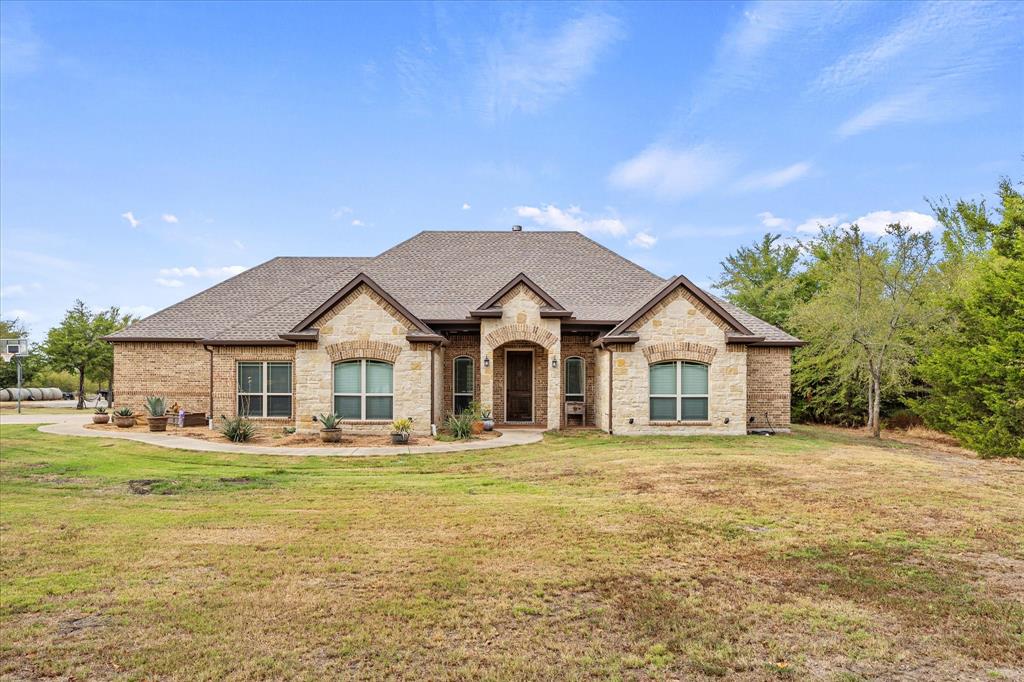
366	322
680	328
520	321
180	372
768	384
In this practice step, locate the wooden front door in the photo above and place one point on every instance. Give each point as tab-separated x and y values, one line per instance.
519	386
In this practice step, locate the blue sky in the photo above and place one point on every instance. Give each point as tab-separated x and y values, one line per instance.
149	150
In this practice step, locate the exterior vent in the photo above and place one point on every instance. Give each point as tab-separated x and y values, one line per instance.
517	228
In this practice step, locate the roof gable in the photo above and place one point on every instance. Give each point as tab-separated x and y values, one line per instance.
549	306
708	303
360	280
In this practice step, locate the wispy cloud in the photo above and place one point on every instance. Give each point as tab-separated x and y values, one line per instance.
689	231
772	221
466	206
672	173
928	65
130	217
19	43
776	178
643	240
193	271
139	310
166	282
169	218
340	212
21	315
40	260
571	219
813	225
356	222
526	71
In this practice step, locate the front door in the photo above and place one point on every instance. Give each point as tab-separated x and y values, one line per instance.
519	379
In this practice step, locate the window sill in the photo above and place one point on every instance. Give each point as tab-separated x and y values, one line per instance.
680	423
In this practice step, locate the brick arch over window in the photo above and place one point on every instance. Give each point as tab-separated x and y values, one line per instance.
679	350
371	350
521	332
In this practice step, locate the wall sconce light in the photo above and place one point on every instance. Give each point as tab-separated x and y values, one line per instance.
554	362
487	361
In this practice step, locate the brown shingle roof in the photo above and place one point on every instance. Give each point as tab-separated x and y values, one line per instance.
436	275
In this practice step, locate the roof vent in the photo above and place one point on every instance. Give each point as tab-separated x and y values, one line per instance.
517	228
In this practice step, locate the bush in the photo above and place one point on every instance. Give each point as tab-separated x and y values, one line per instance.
238	429
460	426
65	381
903	420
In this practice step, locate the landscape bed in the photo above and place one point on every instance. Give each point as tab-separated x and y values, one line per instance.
818	555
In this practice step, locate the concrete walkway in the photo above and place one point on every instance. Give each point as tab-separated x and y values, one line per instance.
74	425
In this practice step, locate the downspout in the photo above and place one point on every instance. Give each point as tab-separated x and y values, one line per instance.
209	350
432	359
610	368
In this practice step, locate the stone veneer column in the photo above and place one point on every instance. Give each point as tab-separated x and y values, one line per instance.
486	370
555	386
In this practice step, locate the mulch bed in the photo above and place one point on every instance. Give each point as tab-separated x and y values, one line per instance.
278	438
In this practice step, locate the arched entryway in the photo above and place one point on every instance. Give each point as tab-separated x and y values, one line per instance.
521	383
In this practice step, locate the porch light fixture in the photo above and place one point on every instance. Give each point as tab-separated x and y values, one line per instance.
487	361
554	363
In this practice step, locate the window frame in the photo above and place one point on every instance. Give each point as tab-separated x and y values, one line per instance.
456	394
679	395
265	394
362	395
569	397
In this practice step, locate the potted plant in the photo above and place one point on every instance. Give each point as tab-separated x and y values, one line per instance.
400	429
100	416
475	417
157	409
124	417
485	415
330	428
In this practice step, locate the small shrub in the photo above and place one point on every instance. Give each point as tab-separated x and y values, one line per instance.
402	425
156	406
238	429
124	412
460	426
329	421
903	420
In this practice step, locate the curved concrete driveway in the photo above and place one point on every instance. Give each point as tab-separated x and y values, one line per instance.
74	425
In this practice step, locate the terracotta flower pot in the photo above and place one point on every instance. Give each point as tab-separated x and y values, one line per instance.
477	428
100	418
330	435
157	423
124	422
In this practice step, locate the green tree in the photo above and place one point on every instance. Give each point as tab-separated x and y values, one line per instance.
975	368
76	345
106	323
871	310
765	279
16	329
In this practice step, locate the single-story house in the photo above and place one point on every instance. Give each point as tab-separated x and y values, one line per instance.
543	328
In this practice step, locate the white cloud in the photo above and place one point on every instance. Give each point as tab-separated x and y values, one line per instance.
130	217
526	72
466	206
813	225
644	240
139	310
169	218
772	221
876	221
21	314
902	108
775	179
340	212
193	271
673	173
356	222
571	219
164	282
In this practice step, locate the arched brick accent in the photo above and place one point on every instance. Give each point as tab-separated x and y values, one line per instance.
521	332
373	350
679	350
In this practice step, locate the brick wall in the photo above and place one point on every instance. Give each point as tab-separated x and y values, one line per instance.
459	345
225	377
768	386
540	381
578	345
180	372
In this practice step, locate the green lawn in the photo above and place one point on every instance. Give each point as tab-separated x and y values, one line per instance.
818	555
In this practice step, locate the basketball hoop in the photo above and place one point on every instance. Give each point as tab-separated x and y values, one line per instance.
7	356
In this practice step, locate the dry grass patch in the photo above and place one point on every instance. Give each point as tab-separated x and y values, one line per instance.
818	555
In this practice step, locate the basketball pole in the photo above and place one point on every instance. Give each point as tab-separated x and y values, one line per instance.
17	361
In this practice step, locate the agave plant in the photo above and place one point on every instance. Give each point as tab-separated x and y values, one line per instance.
124	412
156	406
238	429
101	410
329	421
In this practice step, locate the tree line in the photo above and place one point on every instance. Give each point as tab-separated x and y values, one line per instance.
76	345
903	323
